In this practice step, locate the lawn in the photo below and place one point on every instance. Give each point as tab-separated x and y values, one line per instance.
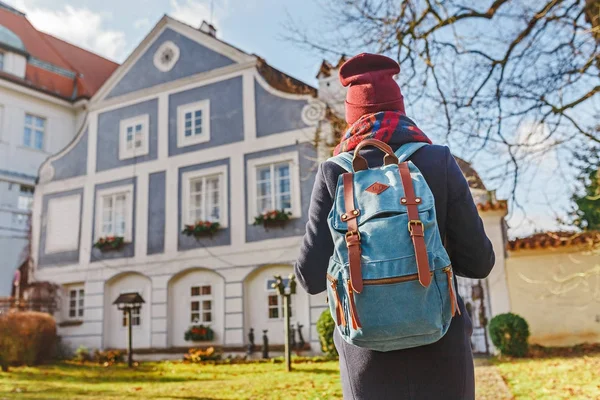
543	378
573	378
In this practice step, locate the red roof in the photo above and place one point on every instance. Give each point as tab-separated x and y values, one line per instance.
89	70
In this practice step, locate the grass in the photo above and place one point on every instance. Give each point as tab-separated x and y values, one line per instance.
539	378
172	380
553	378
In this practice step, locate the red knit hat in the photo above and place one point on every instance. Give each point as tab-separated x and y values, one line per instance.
372	86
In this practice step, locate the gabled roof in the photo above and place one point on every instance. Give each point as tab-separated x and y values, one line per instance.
54	66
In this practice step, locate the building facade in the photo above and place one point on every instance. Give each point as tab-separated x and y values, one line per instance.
189	129
43	98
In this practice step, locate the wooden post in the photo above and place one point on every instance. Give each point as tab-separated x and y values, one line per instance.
286	316
130	339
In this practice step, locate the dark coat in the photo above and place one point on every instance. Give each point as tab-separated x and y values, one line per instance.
442	370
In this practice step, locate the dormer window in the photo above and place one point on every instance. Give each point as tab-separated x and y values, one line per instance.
166	56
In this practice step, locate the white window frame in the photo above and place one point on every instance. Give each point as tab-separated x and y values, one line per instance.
33	128
273	291
100	194
182	140
78	299
254	164
124	152
200	298
59	245
187	177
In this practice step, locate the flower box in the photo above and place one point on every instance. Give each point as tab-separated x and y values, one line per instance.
110	243
274	218
201	228
199	333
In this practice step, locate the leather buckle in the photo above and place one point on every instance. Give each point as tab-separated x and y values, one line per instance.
418	223
349	235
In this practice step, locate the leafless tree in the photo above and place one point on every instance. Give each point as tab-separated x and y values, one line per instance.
512	78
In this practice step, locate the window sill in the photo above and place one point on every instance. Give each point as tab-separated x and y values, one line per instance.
34	150
74	322
191	142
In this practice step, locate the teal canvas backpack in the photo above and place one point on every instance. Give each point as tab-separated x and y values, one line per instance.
390	283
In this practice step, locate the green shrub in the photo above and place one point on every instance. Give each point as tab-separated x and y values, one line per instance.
325	328
82	354
26	338
509	333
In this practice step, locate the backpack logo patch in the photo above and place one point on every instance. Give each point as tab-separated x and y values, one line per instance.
377	188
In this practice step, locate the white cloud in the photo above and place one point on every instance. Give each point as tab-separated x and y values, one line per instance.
79	26
192	12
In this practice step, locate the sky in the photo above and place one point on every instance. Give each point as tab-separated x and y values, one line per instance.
113	28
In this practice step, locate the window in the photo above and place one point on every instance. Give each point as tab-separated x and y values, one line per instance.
193	123
166	56
24	205
63	218
274	185
76	302
205	196
114	212
134	137
201	304
275	302
33	135
136	319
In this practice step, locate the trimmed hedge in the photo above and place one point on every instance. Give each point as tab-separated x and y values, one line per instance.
510	334
325	328
26	338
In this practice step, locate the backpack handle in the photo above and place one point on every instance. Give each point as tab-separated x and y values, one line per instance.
359	163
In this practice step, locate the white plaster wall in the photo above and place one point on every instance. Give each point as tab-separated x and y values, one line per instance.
557	291
255	298
60	129
499	300
115	335
179	308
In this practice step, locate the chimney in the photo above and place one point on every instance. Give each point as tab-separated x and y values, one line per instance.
209	29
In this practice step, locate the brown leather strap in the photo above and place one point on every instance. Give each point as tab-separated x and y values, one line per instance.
356	325
359	163
415	226
352	236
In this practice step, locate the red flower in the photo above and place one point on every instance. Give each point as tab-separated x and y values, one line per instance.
203	331
110	239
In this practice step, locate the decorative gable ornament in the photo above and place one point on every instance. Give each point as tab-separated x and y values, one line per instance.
166	56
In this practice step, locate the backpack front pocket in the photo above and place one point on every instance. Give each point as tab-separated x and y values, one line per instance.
383	312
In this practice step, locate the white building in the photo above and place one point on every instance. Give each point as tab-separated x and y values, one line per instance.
190	128
44	92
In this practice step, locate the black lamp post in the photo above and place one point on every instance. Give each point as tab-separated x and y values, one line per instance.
286	293
129	302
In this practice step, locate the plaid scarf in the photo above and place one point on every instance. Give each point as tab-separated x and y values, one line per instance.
385	126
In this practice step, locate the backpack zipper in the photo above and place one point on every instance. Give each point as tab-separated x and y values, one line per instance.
453	299
339	311
392	280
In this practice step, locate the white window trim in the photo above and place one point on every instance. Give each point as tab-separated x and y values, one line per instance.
125	153
200	298
220	171
45	131
157	55
253	164
204	106
62	246
128	189
68	289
